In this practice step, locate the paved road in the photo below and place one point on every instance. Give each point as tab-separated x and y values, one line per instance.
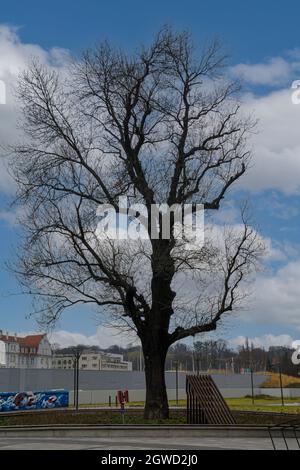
32	443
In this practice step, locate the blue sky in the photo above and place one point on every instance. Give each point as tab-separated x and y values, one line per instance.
264	45
252	30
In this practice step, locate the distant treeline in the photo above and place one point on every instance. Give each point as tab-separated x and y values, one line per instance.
211	356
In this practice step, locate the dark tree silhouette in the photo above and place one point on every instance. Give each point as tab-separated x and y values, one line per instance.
162	125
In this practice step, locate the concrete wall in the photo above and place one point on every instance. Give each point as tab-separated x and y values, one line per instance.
96	386
37	379
15	380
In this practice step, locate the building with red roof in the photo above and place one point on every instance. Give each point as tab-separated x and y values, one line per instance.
30	352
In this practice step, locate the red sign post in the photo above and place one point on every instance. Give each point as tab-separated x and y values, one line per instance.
123	397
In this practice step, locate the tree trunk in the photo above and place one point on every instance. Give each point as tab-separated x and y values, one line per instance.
155	338
157	406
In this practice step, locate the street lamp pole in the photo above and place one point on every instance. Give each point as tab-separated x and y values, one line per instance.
280	381
77	354
75	385
77	379
281	389
177	383
252	387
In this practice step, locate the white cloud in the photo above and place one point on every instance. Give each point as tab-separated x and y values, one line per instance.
264	341
276	71
14	57
104	337
275	298
275	145
276	164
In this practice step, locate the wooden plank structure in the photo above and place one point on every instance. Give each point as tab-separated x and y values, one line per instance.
205	404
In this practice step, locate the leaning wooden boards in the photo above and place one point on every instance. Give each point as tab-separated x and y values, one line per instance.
205	404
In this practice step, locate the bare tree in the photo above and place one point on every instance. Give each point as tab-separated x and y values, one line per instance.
160	125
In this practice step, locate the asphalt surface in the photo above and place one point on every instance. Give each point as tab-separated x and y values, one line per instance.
32	443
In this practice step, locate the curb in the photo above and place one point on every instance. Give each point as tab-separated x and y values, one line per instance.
136	431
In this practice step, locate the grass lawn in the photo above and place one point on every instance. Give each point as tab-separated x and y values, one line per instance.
264	404
87	417
260	400
274	408
113	417
134	414
261	403
273	380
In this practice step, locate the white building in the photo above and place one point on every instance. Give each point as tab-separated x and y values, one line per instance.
2	354
92	361
32	351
